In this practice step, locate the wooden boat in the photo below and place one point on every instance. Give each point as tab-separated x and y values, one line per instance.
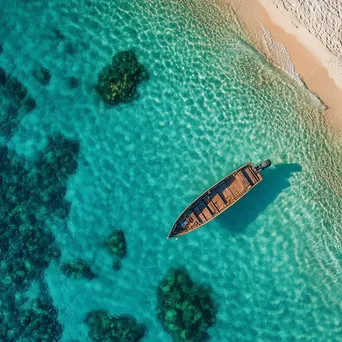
218	198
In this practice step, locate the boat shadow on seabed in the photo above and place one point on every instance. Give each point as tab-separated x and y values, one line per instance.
245	211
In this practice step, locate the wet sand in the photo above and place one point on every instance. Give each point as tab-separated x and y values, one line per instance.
277	33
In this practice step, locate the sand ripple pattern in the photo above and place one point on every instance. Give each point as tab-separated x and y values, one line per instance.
314	15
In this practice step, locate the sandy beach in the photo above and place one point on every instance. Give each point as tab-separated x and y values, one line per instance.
304	40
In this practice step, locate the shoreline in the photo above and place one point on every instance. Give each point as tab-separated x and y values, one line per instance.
277	34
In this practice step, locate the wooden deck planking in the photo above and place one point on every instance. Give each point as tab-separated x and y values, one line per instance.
216	199
194	218
228	196
243	182
212	208
227	193
207	213
240	182
219	202
202	217
254	178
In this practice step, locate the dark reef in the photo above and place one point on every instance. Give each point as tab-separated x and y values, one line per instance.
27	197
57	33
119	81
73	82
42	75
185	308
21	103
3	77
38	319
77	270
103	327
116	265
116	243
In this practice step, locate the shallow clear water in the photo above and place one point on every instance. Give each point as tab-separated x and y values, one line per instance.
212	103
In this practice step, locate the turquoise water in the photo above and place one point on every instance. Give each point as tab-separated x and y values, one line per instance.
211	104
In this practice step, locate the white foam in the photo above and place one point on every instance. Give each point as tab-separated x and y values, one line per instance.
281	58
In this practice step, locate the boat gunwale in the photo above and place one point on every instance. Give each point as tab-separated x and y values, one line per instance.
206	191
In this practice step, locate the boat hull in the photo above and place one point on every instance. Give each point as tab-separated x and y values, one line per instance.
217	199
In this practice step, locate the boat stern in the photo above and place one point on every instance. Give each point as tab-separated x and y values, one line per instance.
264	165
